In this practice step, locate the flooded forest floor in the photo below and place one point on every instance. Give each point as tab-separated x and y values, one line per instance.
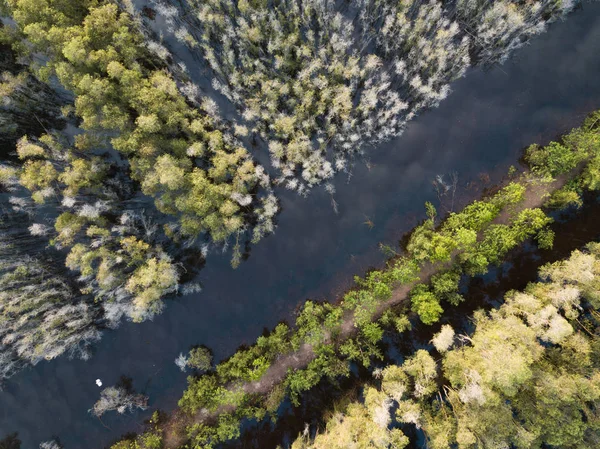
574	229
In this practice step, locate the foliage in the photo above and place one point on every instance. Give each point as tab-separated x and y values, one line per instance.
479	235
41	315
564	197
24	96
445	285
307	83
121	257
200	358
118	398
425	304
545	238
528	376
192	169
310	76
360	425
10	442
444	339
148	440
553	159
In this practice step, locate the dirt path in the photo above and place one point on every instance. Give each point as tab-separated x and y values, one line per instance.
535	196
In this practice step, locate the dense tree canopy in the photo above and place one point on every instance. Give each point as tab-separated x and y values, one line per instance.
527	377
148	168
193	170
312	76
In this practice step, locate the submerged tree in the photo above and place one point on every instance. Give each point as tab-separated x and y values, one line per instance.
78	196
42	313
527	377
194	170
199	358
112	242
28	105
10	442
312	76
51	444
120	398
73	219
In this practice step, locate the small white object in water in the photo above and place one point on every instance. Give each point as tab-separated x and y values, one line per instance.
98	382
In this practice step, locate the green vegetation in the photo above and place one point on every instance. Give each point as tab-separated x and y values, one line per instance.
127	101
117	259
200	358
192	169
41	315
120	398
28	105
150	440
311	76
152	169
329	337
308	79
527	377
87	200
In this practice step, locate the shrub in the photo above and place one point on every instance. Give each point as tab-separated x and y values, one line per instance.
200	358
553	159
425	304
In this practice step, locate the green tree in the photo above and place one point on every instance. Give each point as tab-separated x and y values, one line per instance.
425	304
200	358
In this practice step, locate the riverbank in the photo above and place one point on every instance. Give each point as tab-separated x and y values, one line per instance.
573	228
512	375
327	338
485	123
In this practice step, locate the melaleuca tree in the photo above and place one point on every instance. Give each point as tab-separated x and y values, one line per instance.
192	169
78	200
122	261
311	76
501	27
117	248
299	80
80	203
527	377
363	426
424	46
42	313
120	398
28	105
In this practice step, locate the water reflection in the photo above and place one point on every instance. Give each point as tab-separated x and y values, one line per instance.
573	230
480	129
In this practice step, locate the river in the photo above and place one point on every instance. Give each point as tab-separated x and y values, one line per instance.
545	89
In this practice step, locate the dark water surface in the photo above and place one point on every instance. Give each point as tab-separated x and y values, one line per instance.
545	89
574	228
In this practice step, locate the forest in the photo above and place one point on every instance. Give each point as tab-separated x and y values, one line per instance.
327	339
527	376
145	141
